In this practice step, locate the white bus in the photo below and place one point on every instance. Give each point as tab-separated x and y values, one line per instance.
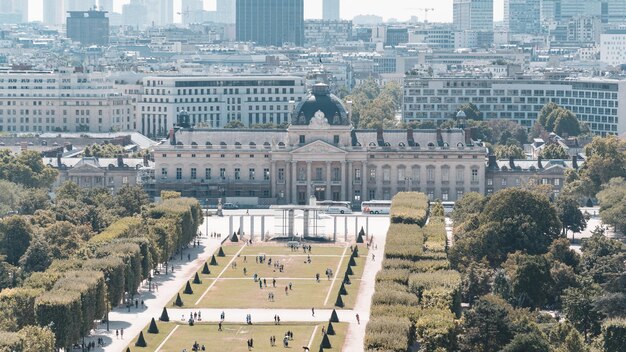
376	206
334	203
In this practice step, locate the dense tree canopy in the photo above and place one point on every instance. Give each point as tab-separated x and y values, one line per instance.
510	151
374	106
553	151
612	200
561	121
106	150
26	168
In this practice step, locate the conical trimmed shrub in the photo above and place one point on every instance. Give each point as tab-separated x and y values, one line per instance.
141	342
127	349
213	260
164	315
351	262
346	280
196	279
153	329
359	239
342	290
234	237
339	302
179	302
326	342
188	290
349	271
330	330
333	317
205	269
355	252
321	348
362	232
220	253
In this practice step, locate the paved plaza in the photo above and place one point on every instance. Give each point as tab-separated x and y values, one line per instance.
137	319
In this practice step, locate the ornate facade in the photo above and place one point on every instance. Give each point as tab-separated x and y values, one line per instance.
319	154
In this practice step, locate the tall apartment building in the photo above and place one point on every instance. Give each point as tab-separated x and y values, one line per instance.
226	11
270	22
39	101
330	10
474	15
13	11
214	101
522	16
88	27
597	102
613	47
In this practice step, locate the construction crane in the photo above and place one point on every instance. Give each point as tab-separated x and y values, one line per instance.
422	9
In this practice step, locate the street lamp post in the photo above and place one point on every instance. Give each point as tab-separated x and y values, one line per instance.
107	301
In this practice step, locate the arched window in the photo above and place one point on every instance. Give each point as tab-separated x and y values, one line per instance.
252	145
223	145
431	145
372	144
208	145
267	145
281	145
237	145
402	145
194	145
460	145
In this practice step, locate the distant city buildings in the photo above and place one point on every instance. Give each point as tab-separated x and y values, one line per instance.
522	16
613	47
330	10
323	33
473	23
13	11
88	27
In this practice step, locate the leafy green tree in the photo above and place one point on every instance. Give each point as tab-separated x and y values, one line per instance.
611	304
560	251
606	159
530	342
569	214
578	306
562	278
10	197
37	256
26	169
131	199
373	106
553	151
476	282
471	203
234	123
501	285
487	326
566	123
612	200
69	190
33	199
471	111
546	110
530	279
510	151
15	233
106	150
9	275
35	338
565	338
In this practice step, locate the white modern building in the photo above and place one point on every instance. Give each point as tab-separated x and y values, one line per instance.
613	47
40	101
215	101
597	102
323	33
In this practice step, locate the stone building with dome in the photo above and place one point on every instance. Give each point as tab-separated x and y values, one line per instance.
319	154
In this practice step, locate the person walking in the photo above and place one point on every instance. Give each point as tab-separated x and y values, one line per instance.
358	319
313	312
122	333
117	334
219	326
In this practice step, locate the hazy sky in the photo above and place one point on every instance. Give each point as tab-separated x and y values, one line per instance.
399	9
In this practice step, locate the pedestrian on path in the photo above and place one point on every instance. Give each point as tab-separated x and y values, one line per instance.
117	334
122	333
313	311
219	326
373	257
358	320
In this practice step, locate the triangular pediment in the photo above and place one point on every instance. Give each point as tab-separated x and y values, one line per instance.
318	147
85	168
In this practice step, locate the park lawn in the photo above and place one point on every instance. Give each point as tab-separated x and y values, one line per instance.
295	266
281	249
233	337
336	341
245	293
349	300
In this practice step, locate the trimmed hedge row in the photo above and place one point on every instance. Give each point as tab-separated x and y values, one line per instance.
124	227
414	285
409	208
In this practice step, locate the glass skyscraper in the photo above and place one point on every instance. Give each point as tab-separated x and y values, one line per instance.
270	22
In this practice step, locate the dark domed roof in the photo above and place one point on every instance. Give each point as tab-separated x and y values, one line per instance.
318	100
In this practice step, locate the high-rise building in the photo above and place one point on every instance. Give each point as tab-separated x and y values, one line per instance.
135	14
166	12
13	11
226	11
191	11
53	13
88	27
474	15
522	16
79	5
270	22
330	10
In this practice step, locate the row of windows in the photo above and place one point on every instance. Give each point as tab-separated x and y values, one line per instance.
223	175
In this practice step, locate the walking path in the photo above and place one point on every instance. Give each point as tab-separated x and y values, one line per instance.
133	320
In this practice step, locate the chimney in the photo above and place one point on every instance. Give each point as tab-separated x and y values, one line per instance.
409	137
539	160
120	161
575	162
439	137
492	163
172	137
379	137
468	136
512	162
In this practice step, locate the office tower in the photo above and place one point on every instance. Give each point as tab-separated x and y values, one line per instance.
476	15
191	11
522	16
166	12
88	27
270	22
330	9
226	11
13	11
135	14
79	5
53	13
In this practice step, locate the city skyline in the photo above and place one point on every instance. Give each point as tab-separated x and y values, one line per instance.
397	9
